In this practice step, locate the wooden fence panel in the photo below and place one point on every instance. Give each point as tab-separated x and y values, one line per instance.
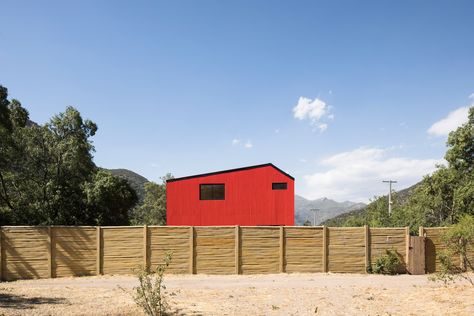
303	249
381	239
260	250
214	250
74	251
25	253
163	239
42	252
122	249
434	246
346	249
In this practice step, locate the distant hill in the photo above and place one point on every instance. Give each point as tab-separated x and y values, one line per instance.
136	181
402	196
327	209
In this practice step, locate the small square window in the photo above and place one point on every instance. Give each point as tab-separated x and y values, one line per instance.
212	192
279	186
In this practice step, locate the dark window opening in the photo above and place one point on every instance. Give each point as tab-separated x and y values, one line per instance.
279	186
211	191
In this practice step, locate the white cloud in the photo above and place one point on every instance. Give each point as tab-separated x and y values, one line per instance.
238	142
313	110
277	131
154	165
310	109
357	175
454	119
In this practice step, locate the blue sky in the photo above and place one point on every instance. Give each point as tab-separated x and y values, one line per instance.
341	94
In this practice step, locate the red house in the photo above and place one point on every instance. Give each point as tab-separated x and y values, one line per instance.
255	195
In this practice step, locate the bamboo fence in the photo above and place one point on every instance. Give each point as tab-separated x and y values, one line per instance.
28	252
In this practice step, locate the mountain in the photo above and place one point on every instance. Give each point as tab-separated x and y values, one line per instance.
326	209
339	220
136	181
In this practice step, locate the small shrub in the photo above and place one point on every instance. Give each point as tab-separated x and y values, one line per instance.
458	239
388	263
149	294
448	269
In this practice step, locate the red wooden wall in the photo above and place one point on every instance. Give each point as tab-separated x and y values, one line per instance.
249	199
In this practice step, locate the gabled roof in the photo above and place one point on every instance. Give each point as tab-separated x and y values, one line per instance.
232	170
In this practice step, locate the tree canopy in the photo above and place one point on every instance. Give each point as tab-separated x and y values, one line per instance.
47	173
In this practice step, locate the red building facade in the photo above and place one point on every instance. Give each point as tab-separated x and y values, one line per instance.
250	196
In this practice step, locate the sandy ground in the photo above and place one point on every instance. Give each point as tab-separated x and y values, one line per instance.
277	294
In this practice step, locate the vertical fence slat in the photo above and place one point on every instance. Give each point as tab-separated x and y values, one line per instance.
367	248
50	251
191	250
325	249
421	231
145	248
407	245
99	250
282	250
237	249
2	255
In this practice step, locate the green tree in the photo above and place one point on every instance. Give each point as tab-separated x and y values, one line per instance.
448	193
153	209
46	168
47	175
108	199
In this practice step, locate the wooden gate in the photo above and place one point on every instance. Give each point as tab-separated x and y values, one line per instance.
416	255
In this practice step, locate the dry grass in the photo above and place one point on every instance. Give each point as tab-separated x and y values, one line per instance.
277	294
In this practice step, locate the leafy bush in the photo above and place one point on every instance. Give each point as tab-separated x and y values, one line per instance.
388	263
149	294
458	239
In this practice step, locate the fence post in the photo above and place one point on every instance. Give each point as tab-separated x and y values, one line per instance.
191	250
407	246
237	250
50	251
367	248
145	248
421	231
325	249
282	249
99	250
2	254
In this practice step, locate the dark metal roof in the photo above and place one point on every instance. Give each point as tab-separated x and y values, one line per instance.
231	170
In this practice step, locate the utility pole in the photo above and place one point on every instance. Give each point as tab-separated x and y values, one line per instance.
389	195
314	210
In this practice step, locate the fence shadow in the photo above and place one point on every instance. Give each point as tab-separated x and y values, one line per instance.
431	251
19	267
20	302
75	251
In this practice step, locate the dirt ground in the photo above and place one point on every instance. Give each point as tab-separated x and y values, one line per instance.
277	294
